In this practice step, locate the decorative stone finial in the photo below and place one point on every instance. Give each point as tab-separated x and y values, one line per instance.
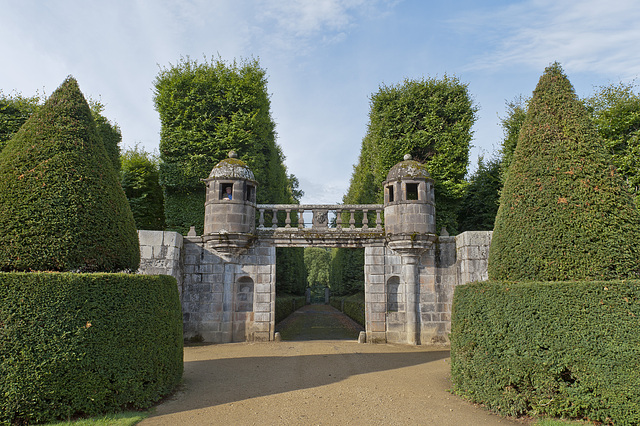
407	157
232	154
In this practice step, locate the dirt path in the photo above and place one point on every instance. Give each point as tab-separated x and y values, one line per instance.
317	382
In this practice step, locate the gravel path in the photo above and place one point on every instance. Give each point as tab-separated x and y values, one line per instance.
317	382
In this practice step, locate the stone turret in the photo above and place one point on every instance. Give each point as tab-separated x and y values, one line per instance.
409	207
410	223
230	205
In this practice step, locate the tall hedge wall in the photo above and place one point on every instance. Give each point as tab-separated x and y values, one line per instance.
84	344
207	109
572	350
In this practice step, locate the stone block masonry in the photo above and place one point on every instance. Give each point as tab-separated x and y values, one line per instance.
231	297
161	253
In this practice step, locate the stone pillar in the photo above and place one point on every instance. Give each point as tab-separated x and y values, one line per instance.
227	301
411	282
374	290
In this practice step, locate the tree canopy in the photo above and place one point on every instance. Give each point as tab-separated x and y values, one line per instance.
564	212
430	119
61	204
317	261
206	110
481	197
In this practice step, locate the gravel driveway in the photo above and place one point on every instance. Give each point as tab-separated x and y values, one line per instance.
317	382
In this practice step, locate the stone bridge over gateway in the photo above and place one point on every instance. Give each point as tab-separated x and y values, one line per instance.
227	276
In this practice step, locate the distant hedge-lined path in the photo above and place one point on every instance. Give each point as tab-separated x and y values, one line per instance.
318	322
318	382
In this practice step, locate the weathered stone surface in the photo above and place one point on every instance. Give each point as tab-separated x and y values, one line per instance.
207	281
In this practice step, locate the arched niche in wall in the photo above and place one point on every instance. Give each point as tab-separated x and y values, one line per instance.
244	295
394	296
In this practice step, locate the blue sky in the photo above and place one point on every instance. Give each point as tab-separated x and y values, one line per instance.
324	58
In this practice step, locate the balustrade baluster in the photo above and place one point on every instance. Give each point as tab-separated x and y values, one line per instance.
287	220
261	220
274	220
352	219
378	219
301	218
338	218
365	219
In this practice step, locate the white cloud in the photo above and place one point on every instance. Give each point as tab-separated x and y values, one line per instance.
294	26
585	36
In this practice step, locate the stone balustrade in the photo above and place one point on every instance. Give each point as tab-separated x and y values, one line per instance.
322	225
325	217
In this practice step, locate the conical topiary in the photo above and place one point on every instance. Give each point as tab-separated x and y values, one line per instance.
61	204
564	213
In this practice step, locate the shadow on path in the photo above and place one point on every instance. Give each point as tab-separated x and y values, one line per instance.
215	381
308	379
318	322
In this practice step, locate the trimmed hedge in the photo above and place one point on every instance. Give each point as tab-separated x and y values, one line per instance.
61	204
565	212
86	344
286	305
353	306
563	349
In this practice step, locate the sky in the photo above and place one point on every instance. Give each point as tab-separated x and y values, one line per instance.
323	58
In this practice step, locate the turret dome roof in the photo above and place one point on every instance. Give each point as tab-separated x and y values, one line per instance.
408	168
231	168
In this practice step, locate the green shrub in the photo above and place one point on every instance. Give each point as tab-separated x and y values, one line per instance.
61	204
86	344
564	212
352	306
563	349
286	305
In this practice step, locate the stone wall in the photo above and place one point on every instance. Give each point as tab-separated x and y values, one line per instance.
228	297
161	254
231	297
472	256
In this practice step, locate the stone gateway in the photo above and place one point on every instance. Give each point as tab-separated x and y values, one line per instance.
226	277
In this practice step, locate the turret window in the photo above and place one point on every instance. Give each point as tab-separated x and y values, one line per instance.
412	191
250	193
226	191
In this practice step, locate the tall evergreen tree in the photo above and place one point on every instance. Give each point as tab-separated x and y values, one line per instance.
61	204
616	113
108	132
15	110
511	125
140	181
481	197
430	119
564	212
